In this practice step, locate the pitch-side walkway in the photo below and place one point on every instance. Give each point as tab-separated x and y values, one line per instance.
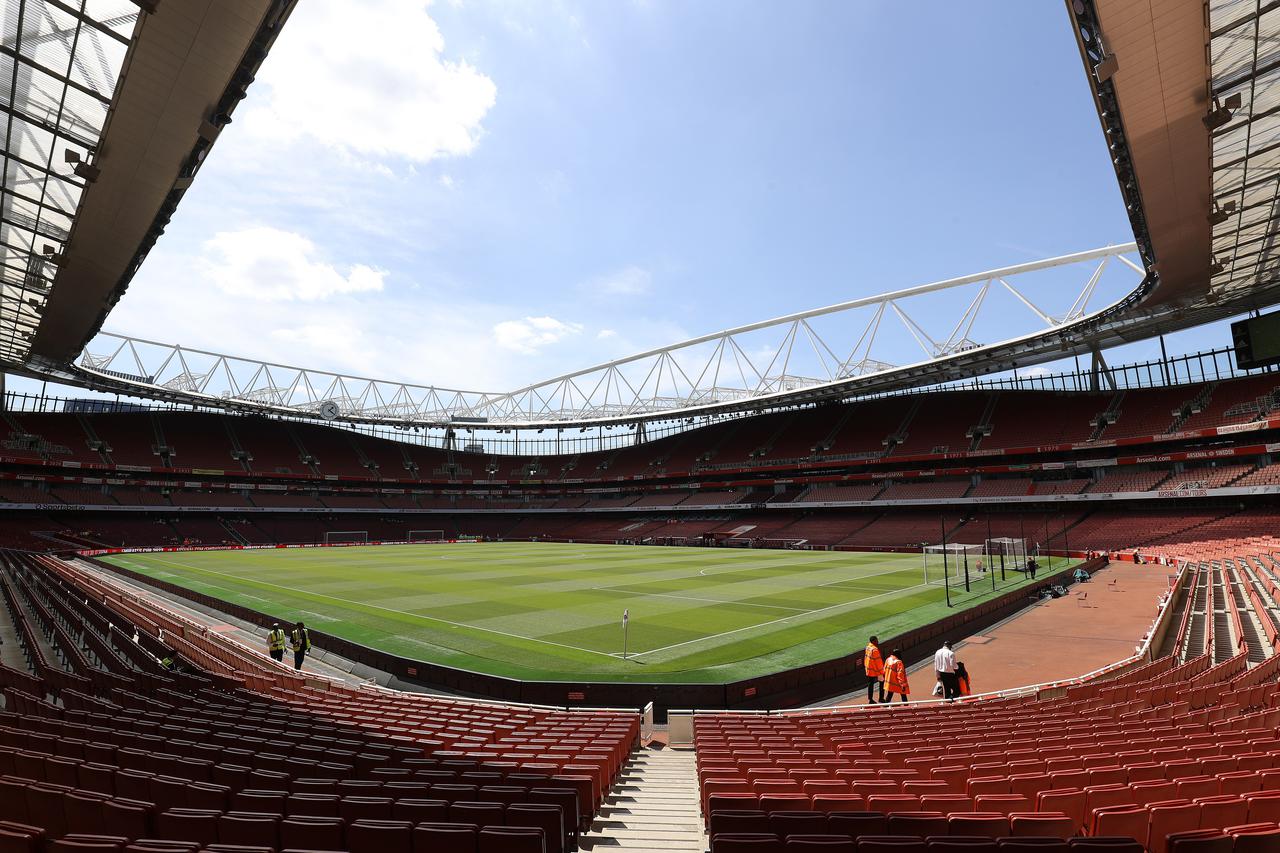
320	662
1055	639
653	808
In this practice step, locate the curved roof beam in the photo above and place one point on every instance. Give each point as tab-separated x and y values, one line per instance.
773	362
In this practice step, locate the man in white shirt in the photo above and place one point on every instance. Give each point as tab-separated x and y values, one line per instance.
944	666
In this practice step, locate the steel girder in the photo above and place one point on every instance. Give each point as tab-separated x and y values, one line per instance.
822	353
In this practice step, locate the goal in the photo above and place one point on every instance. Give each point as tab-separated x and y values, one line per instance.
948	563
1007	555
345	537
425	536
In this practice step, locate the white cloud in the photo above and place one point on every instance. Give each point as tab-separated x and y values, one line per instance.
605	334
374	83
629	281
277	266
446	181
532	333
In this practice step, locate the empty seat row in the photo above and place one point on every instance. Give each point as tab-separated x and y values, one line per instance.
250	836
859	823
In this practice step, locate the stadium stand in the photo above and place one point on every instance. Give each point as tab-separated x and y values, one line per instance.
935	490
1267	475
1209	477
1001	488
940	423
843	493
1060	487
1128	481
229	749
1016	421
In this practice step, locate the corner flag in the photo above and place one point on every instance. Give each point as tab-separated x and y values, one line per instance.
626	617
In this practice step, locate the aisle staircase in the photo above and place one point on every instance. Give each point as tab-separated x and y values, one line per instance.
654	807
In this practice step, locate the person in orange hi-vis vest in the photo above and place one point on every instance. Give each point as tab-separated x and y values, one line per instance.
873	665
962	675
895	677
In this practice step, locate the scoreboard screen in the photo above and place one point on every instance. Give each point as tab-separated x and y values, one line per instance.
1257	341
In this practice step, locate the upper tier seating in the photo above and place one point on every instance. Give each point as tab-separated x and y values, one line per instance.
1149	411
941	423
131	437
1233	402
1036	419
833	433
199	441
59	438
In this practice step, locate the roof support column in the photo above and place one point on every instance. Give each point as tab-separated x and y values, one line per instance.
1099	372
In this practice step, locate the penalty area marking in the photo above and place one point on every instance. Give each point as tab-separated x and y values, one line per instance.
859	602
695	598
379	607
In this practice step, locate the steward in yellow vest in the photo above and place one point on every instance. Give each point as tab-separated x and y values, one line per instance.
275	642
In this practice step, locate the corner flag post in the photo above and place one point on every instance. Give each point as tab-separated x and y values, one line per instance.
626	618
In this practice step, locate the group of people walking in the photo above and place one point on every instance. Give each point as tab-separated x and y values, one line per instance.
890	674
299	641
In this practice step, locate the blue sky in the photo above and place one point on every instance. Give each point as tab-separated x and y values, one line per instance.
482	194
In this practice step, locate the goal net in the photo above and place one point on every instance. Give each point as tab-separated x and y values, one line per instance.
425	536
344	537
949	562
1007	555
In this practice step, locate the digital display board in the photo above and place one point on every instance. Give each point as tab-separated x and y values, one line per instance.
1257	341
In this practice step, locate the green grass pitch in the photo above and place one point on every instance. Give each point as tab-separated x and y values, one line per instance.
554	611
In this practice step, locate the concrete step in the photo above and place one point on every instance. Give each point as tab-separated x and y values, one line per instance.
653	807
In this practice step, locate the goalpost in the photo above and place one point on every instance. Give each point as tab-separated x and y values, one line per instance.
948	563
1007	554
345	537
425	536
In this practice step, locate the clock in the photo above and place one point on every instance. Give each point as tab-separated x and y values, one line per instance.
329	410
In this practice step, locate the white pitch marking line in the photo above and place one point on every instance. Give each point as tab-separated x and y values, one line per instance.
859	601
695	598
387	609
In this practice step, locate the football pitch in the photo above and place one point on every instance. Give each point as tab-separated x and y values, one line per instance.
554	611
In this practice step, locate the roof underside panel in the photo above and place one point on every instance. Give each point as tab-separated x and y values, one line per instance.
1160	84
59	65
181	73
1245	59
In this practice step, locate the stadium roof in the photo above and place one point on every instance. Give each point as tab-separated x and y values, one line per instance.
1187	101
111	107
59	73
